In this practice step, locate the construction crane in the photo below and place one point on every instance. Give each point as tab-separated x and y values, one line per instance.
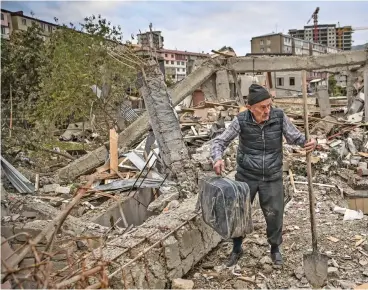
315	22
340	32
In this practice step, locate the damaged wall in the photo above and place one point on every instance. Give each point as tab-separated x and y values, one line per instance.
173	258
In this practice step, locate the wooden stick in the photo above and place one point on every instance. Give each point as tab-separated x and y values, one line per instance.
309	165
113	151
318	184
292	180
11	112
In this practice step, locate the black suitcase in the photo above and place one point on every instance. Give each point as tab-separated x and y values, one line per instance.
226	206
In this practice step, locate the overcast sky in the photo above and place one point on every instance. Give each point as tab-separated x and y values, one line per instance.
203	25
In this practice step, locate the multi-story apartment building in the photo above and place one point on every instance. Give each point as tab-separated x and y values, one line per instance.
15	21
278	43
152	40
328	35
6	24
289	83
178	64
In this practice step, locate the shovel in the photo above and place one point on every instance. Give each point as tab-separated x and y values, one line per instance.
315	263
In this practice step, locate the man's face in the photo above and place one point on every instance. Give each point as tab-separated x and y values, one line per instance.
261	110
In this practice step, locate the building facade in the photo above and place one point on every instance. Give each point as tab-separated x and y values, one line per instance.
178	64
289	83
17	21
328	35
153	40
6	24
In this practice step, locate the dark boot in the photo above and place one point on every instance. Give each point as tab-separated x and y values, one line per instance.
234	258
276	256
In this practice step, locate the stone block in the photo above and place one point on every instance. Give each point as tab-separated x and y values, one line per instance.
168	193
171	251
33	229
7	231
62	190
50	188
182	284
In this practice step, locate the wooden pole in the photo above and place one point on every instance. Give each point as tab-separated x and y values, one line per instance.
11	112
366	93
113	151
309	164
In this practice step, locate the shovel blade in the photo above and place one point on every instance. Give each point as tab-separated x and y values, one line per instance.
315	268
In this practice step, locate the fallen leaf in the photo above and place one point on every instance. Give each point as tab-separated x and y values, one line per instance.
358	243
333	239
363	154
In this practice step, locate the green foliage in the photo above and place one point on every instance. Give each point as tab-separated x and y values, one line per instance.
333	88
22	60
77	61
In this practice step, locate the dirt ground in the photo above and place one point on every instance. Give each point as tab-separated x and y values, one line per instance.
345	242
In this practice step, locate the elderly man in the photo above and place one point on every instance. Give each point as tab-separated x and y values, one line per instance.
259	161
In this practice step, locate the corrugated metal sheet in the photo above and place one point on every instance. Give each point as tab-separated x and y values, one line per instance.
21	184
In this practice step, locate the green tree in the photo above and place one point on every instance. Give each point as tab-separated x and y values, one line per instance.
79	60
22	60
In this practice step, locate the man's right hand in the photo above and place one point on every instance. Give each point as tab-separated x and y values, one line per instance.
219	166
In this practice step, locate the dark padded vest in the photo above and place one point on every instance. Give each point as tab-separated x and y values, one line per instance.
259	154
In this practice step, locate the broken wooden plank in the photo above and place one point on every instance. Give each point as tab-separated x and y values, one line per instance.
113	151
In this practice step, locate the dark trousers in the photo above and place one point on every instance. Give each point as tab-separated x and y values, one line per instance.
271	199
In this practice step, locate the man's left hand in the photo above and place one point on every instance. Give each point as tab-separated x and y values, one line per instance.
309	146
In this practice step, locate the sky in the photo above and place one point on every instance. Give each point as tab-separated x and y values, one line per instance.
203	25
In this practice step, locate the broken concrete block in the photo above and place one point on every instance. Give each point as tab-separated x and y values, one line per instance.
50	188
351	146
29	214
171	251
33	229
56	202
182	284
168	193
62	190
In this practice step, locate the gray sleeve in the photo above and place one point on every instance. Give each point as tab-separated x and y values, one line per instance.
221	142
291	133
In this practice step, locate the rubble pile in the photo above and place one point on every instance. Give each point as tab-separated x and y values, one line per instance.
204	122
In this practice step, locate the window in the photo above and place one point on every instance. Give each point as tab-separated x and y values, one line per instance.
173	76
183	69
49	28
172	62
262	49
261	42
2	16
292	81
268	42
268	49
165	54
172	55
182	63
24	21
2	30
167	62
178	69
43	26
178	62
280	82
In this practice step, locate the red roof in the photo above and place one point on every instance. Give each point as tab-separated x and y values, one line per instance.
183	52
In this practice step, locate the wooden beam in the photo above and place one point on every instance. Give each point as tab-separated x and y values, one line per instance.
295	63
366	93
113	151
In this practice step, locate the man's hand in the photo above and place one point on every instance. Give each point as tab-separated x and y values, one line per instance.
309	146
219	166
